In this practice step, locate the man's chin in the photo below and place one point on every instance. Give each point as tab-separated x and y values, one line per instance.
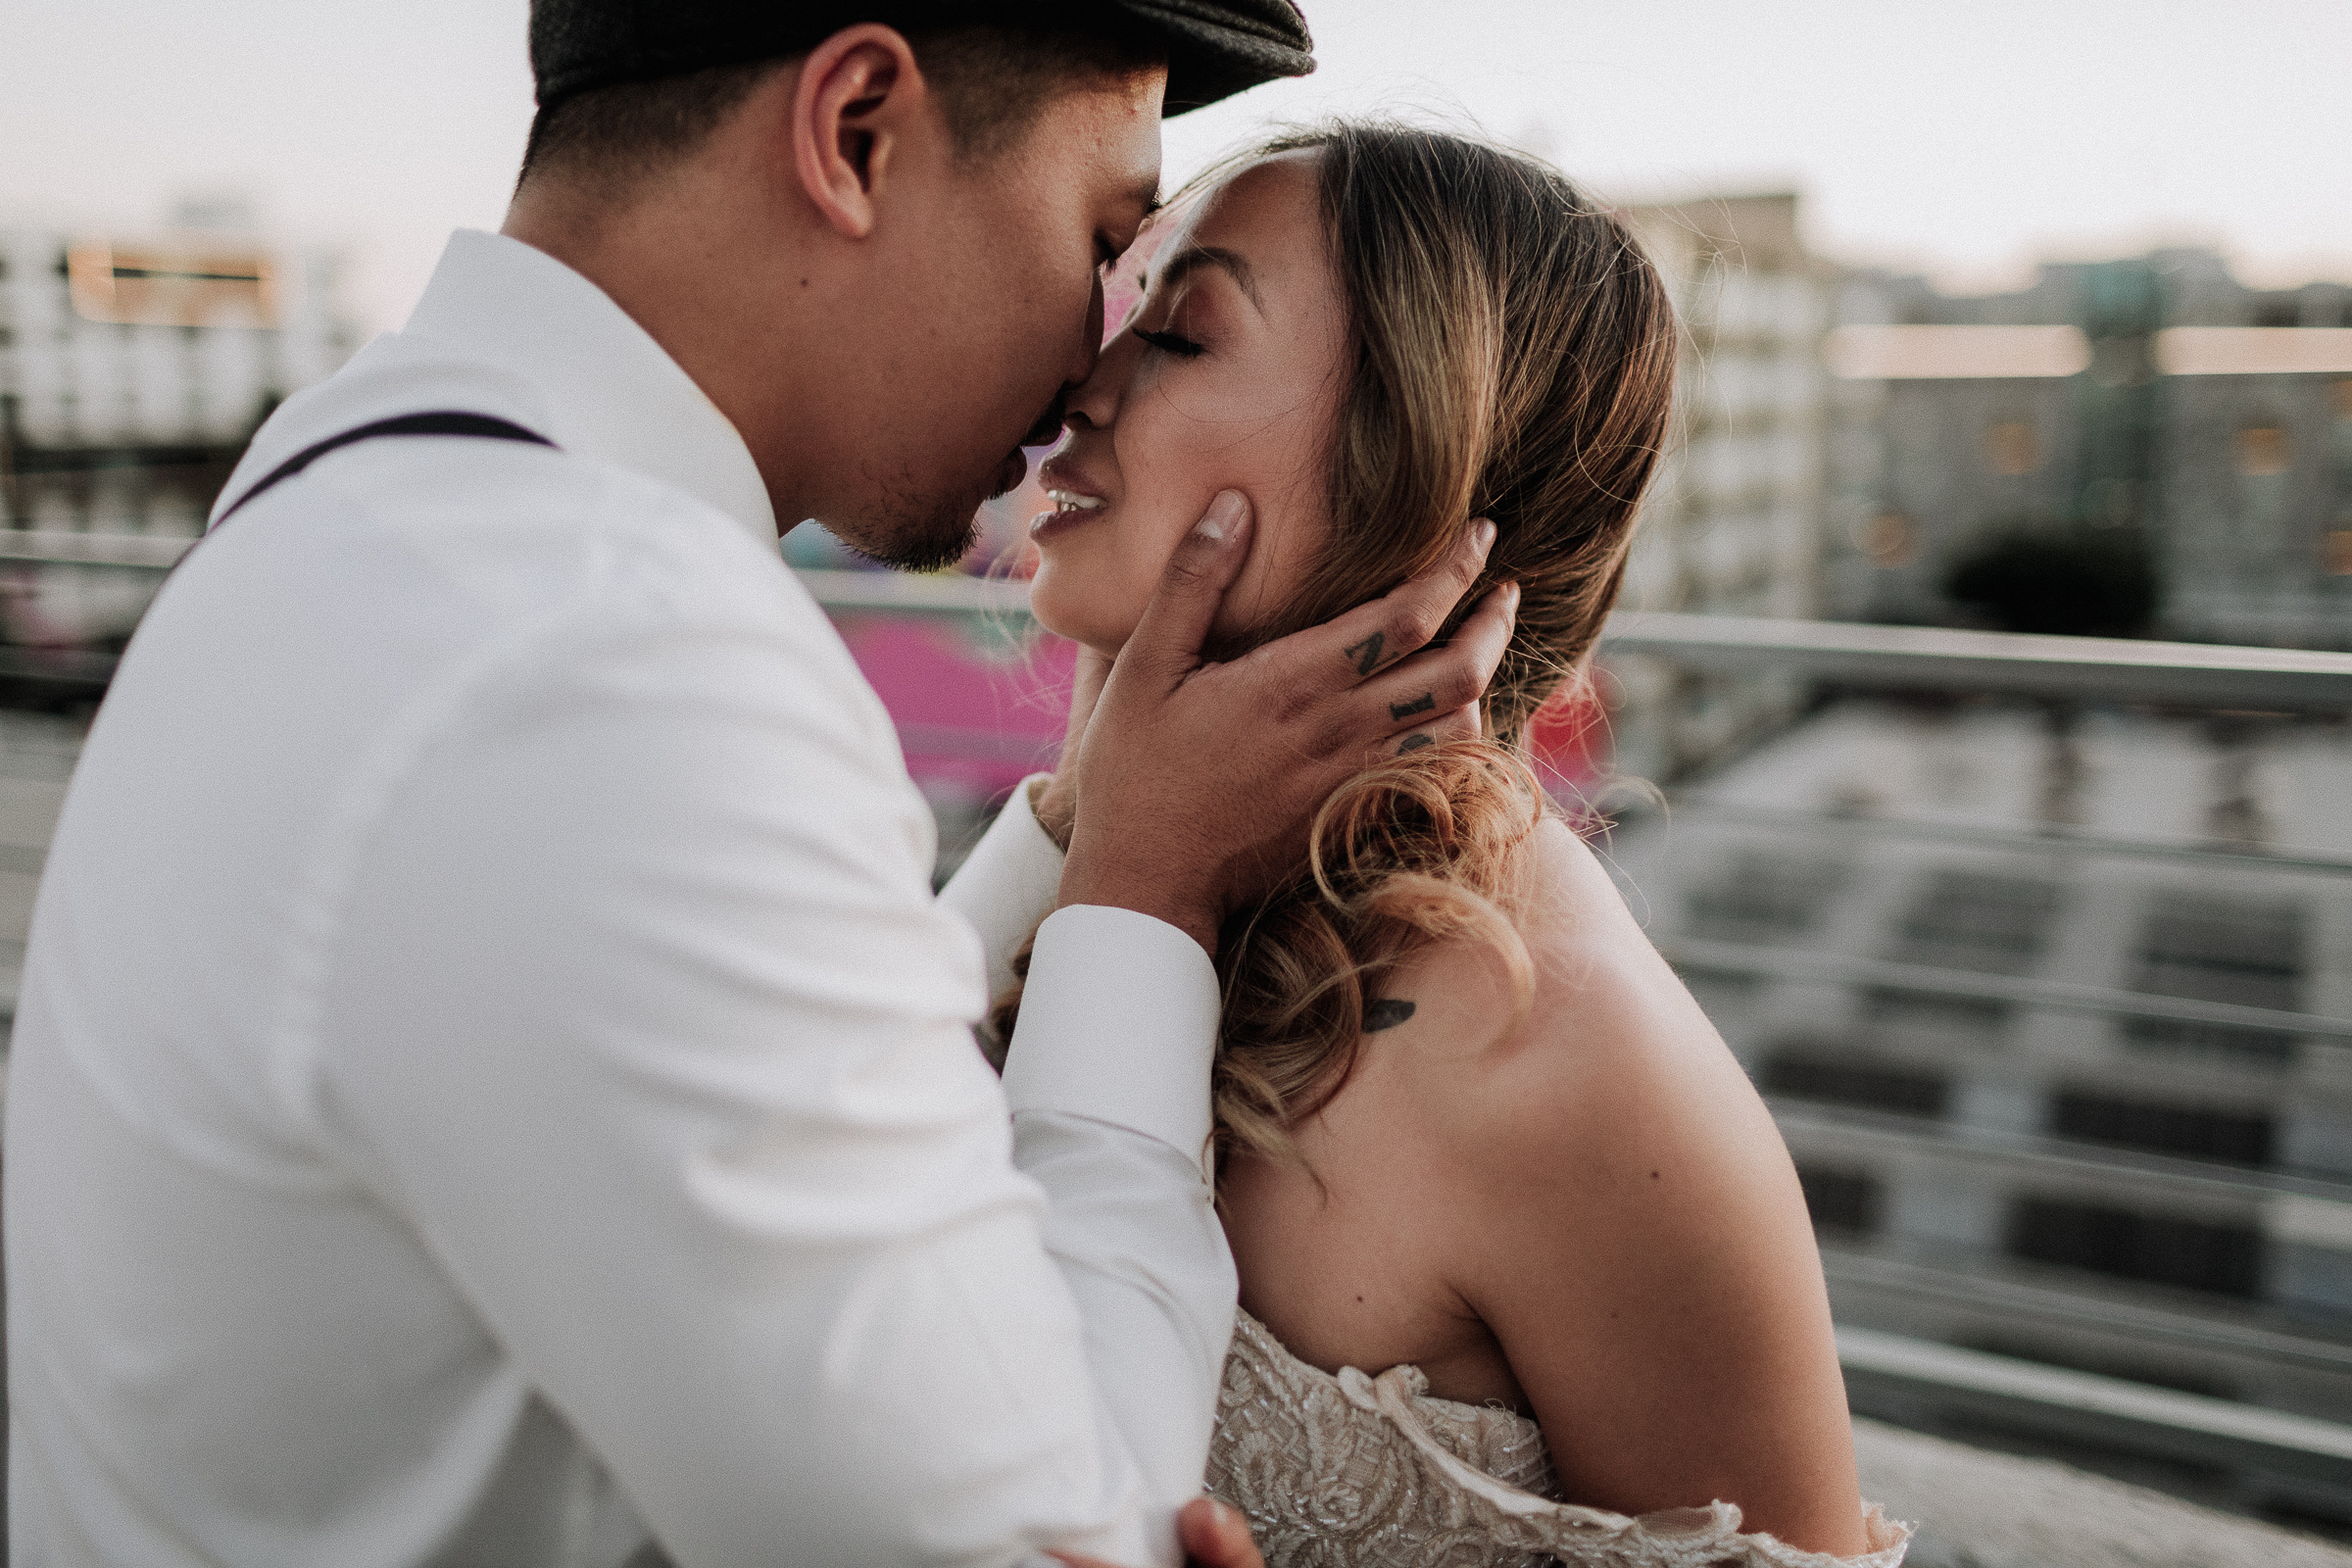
1010	477
911	541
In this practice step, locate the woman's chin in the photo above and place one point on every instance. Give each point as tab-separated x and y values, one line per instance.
1067	611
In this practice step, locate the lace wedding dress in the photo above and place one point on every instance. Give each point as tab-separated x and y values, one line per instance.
1371	1472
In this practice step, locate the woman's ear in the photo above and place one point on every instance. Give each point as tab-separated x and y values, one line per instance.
858	102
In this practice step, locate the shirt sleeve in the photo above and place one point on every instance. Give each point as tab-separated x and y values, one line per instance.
634	1004
1007	885
1108	1080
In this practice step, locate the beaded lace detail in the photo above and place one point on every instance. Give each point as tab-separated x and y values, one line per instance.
1371	1472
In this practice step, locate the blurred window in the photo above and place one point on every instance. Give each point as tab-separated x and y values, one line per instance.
1762	897
1980	920
1891	1007
2012	448
171	285
2214	948
2263	449
2254	349
1889	540
2242	1137
2162	1249
1945	353
1848	1201
1801	1074
2259	1048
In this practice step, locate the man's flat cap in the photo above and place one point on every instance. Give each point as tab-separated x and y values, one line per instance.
1215	47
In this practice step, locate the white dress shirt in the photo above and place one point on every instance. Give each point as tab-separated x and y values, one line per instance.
492	1078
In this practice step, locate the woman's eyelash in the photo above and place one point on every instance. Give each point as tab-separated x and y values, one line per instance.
1184	348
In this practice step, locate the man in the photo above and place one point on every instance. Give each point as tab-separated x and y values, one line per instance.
492	1084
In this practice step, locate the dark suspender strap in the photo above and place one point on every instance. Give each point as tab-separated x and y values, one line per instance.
444	422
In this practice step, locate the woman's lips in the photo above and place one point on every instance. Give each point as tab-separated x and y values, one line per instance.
1074	498
1071	508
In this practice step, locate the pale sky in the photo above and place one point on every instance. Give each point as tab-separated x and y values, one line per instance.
1968	139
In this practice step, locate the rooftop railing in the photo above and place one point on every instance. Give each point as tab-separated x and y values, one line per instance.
1929	657
1914	657
1848	653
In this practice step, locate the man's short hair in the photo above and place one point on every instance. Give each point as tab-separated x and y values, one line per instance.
992	78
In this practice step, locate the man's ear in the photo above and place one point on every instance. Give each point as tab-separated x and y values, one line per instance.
859	101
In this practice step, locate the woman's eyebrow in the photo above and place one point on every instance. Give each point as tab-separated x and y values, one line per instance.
1195	257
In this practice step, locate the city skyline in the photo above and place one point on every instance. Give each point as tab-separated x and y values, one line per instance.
1969	145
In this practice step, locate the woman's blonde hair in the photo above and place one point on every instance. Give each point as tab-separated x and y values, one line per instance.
1512	357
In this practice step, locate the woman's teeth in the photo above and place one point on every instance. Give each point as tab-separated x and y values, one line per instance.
1072	501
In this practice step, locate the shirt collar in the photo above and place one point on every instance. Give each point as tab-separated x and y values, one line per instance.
612	393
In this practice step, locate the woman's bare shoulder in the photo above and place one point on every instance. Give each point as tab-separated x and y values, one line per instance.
1612	1050
1627	1222
1610	1141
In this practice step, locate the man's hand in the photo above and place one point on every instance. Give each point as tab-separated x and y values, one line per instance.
1213	1536
1198	780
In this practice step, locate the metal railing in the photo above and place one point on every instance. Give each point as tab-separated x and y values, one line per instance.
1848	653
1887	1369
1763	961
1933	658
138	552
2301	1203
1851	654
1976	1285
2037	841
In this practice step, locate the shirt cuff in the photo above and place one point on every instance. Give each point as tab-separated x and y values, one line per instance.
1008	884
1119	1023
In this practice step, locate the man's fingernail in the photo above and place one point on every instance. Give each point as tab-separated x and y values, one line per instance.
1483	531
1223	515
1511	596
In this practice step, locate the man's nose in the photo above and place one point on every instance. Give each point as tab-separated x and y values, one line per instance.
1047	428
1089	342
1095	398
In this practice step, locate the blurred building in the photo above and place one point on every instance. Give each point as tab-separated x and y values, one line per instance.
132	372
2053	1007
37	753
2148	409
1732	522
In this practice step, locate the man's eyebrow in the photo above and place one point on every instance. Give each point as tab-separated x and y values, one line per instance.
1193	258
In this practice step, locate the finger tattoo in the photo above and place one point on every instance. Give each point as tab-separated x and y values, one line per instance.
1413	743
1385	1012
1366	654
1419	705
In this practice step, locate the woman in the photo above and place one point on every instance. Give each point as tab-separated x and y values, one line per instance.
1471	1128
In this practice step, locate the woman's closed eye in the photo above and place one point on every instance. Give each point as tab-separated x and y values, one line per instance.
1184	348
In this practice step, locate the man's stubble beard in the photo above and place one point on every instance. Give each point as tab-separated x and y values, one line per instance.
911	531
914	530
